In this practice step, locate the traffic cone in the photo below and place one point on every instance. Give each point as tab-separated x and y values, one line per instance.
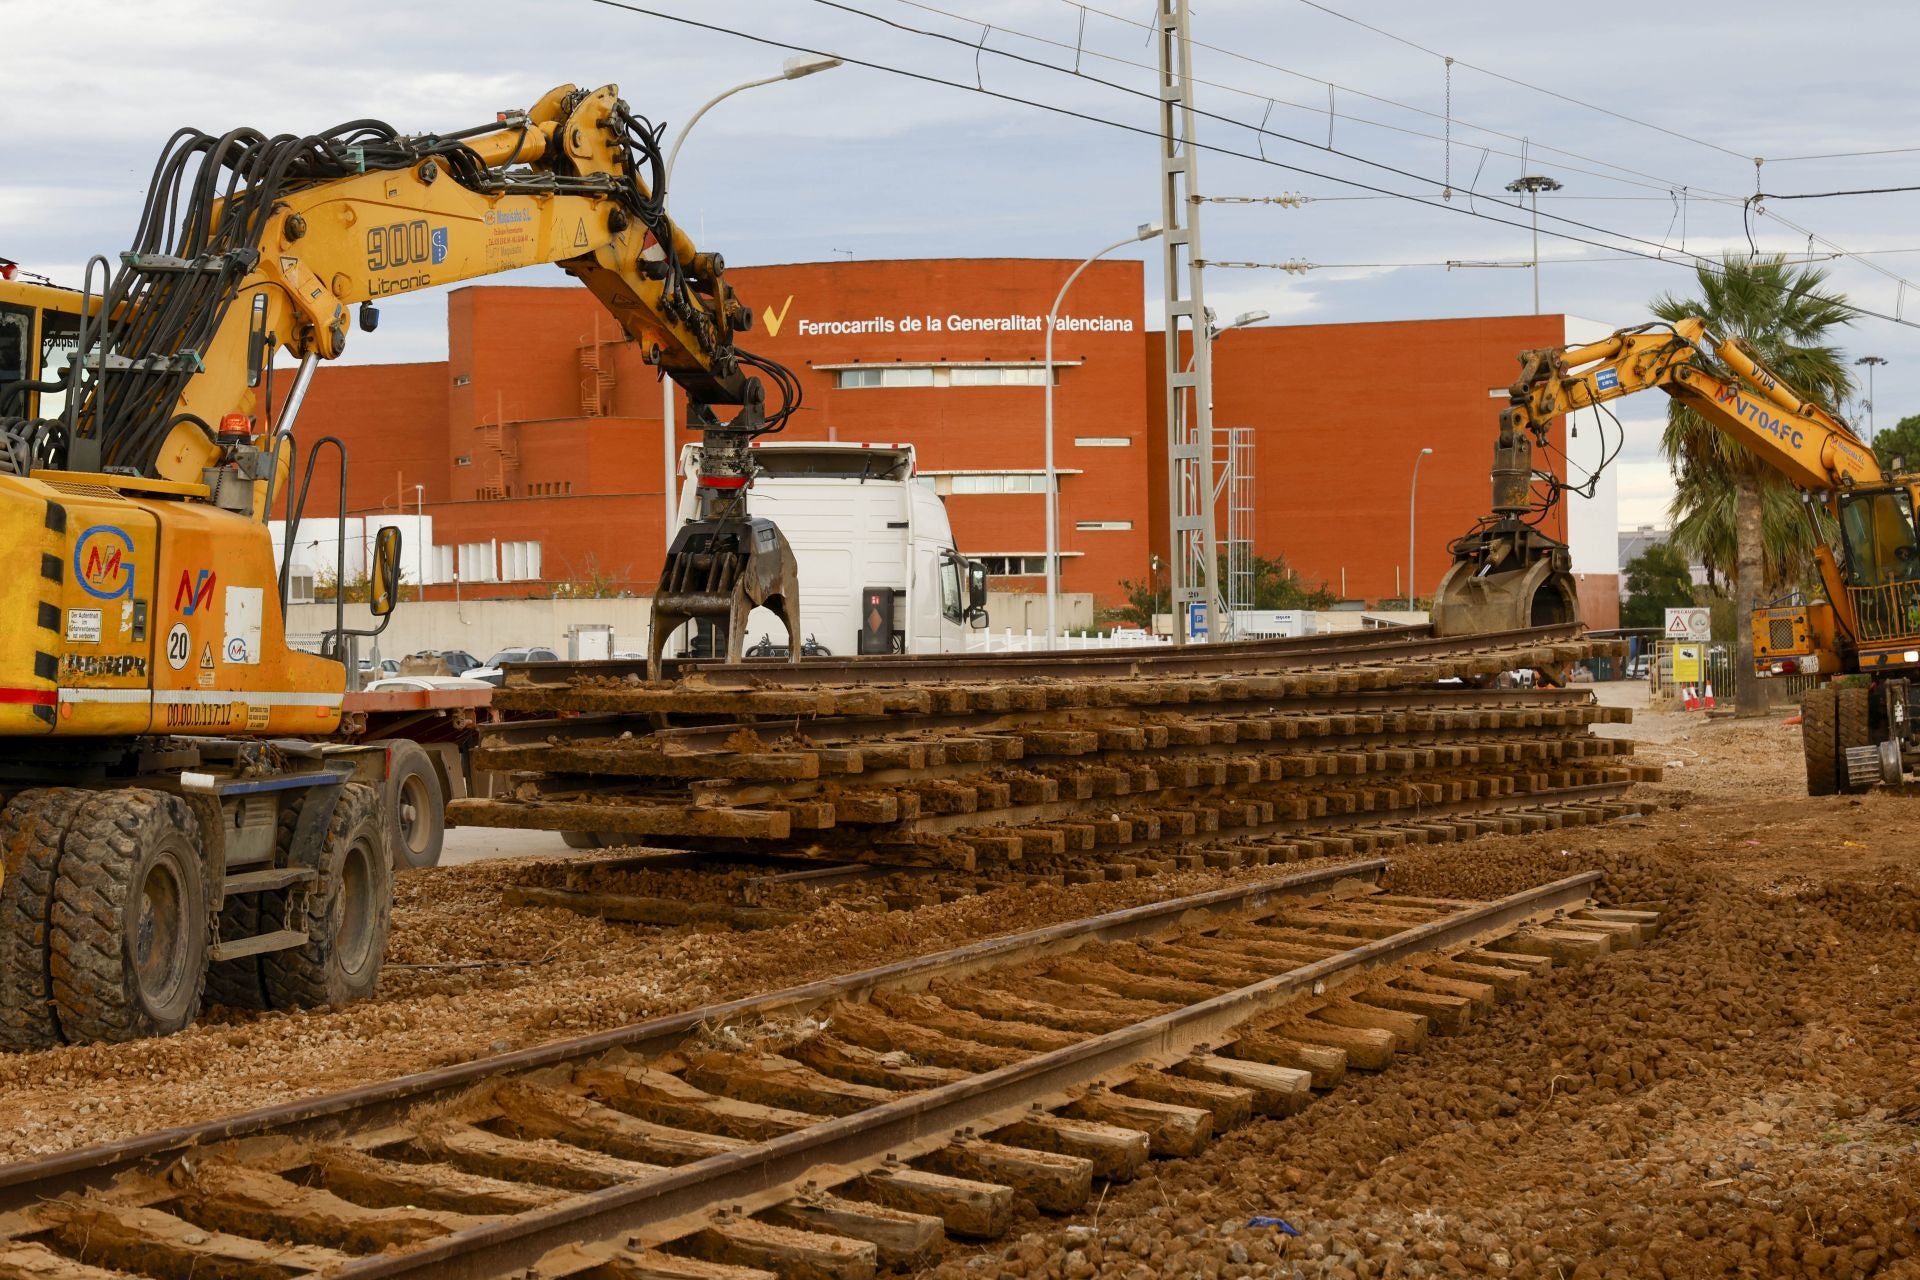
1689	700
1709	695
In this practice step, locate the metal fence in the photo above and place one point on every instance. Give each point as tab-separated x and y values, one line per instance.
1011	641
1719	671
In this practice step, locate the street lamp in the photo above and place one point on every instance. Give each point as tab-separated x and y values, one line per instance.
792	69
1872	363
1413	493
1219	612
1145	231
419	529
1533	184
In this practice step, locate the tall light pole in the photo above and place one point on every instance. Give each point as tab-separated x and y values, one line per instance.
1220	616
1146	231
1872	363
792	69
1533	184
1413	496
420	528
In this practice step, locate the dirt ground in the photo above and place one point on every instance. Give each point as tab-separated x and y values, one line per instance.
1741	1097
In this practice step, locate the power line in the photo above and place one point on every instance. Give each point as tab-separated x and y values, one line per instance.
1650	180
1844	155
1698	261
1675	187
1551	93
1258	130
1827	195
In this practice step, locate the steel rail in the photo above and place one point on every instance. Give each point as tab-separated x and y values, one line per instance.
25	1183
765	1172
1299	651
830	730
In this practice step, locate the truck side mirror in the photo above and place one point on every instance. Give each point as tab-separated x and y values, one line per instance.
976	587
383	585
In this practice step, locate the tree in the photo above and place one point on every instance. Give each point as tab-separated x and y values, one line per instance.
1276	586
359	587
591	583
1658	579
1900	441
1730	510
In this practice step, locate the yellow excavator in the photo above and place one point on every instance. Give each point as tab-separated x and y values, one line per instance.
1507	572
175	828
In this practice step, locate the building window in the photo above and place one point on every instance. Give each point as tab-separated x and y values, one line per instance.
892	376
519	561
442	561
1014	566
999	376
1101	442
462	379
944	375
463	460
999	482
300	587
1103	526
477	562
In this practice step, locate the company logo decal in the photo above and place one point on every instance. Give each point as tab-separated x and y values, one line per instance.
103	562
774	319
194	591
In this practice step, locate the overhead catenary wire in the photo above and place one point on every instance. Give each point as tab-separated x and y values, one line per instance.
1522	84
1693	190
1687	260
1262	132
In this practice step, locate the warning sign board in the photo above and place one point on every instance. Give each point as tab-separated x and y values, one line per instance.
1689	624
1686	664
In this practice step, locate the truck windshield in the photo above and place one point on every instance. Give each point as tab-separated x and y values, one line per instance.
1879	533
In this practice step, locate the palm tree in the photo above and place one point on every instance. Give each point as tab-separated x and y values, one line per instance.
1729	509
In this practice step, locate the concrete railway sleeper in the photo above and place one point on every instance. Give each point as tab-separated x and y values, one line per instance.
836	1129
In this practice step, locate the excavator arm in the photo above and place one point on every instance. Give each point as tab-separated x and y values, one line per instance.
1508	573
253	245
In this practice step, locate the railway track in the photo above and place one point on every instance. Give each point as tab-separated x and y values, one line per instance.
827	1130
1062	760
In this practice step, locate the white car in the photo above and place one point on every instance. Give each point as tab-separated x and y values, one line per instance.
490	671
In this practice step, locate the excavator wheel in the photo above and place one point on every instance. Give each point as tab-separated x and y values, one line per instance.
345	914
415	805
1818	712
1852	727
32	826
130	939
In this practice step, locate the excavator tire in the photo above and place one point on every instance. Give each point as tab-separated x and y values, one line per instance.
130	930
346	913
1852	727
31	828
415	805
1818	711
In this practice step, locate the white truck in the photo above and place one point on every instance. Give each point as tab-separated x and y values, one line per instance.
879	572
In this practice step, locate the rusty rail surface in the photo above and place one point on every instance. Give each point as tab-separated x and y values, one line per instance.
1277	961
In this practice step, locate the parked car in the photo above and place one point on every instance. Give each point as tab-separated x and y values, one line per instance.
1637	667
385	667
491	671
457	661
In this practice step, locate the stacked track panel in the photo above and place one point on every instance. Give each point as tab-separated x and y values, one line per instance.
1278	752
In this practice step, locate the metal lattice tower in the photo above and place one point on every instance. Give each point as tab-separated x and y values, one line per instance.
1192	563
1233	457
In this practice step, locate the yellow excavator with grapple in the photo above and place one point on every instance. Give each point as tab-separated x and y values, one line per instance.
1507	572
175	828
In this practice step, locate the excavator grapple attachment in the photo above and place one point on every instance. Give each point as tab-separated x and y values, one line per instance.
1504	580
722	569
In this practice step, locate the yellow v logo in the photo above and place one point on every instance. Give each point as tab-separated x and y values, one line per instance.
774	319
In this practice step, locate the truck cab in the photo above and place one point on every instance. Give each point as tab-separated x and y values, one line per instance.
879	572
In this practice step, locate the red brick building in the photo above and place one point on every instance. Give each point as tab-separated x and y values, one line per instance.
536	448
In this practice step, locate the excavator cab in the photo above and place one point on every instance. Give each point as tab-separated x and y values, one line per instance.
1881	570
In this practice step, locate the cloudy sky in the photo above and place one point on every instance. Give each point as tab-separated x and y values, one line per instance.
1652	129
